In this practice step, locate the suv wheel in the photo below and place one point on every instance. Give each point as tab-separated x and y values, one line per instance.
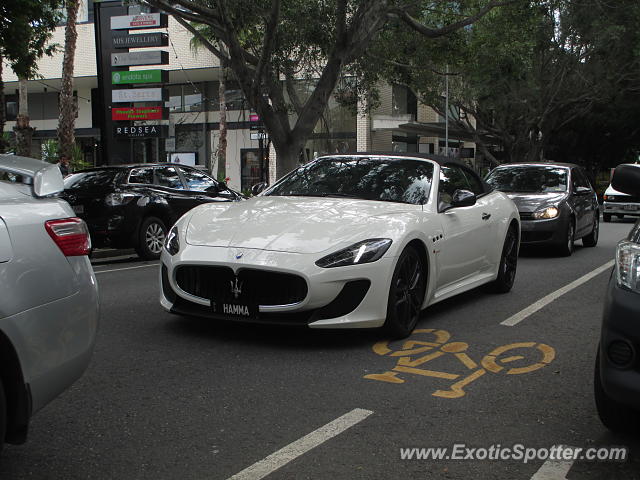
591	240
614	415
151	237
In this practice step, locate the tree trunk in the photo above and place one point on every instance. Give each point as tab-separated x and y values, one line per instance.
288	153
3	113
24	131
222	144
67	118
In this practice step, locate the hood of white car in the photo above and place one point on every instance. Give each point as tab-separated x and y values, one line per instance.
295	224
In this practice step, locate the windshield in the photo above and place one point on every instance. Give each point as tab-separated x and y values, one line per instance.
90	179
376	178
529	179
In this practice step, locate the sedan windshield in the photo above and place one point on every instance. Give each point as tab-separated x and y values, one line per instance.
529	179
376	178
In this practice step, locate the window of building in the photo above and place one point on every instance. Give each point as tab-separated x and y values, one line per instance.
191	138
403	102
11	107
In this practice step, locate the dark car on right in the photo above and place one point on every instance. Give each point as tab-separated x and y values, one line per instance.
556	201
617	371
133	206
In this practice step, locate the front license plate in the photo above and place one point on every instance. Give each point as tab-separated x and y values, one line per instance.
631	207
78	208
233	308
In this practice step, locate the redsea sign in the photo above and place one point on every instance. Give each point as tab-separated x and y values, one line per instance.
138	113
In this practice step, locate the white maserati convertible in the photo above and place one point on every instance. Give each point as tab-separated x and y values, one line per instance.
361	240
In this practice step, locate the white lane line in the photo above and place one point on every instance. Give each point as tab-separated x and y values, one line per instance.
544	301
286	454
553	470
126	268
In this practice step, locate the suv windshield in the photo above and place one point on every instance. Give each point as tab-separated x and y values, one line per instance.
376	178
529	179
90	179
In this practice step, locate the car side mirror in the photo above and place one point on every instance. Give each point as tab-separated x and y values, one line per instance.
582	191
258	188
626	179
463	198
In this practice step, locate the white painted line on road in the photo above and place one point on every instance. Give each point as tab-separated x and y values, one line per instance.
553	470
126	268
286	454
544	301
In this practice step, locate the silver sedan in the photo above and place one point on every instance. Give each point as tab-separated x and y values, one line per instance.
48	297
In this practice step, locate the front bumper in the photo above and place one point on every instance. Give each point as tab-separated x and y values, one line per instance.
621	208
542	232
342	297
620	345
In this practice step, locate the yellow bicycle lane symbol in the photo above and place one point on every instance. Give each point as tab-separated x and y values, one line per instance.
494	362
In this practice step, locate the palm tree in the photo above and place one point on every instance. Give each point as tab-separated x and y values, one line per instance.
24	131
68	107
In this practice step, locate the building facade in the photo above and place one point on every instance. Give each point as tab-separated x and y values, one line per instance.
399	123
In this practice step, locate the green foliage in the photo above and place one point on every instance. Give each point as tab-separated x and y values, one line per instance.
50	153
25	30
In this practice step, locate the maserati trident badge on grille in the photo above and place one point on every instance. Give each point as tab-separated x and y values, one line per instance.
236	287
239	254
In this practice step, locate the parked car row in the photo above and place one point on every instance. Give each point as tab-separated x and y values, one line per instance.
345	241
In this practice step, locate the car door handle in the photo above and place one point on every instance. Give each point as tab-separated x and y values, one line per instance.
486	216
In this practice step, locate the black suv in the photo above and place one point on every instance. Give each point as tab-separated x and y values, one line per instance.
617	372
134	205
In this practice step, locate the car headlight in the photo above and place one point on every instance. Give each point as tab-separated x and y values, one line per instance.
115	199
628	265
362	252
548	212
172	243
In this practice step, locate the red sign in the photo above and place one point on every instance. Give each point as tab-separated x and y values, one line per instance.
138	113
254	118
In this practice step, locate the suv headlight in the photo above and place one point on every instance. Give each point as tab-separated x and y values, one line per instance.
362	252
628	265
172	243
547	212
115	199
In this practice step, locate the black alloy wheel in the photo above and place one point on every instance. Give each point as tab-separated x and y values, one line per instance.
591	240
151	237
406	294
508	263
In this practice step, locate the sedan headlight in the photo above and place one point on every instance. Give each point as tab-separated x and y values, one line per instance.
628	265
362	252
116	199
548	212
172	243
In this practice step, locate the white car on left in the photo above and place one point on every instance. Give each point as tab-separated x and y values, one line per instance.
49	295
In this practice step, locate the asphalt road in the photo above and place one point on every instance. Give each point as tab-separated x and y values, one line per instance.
168	397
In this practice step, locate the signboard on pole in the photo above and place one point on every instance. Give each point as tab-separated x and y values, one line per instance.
130	59
140	131
129	114
146	20
140	40
183	158
140	76
139	95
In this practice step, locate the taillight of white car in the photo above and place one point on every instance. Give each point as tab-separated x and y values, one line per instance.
71	235
628	265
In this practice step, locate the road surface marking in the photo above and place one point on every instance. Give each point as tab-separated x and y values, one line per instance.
292	451
544	301
492	362
553	470
126	268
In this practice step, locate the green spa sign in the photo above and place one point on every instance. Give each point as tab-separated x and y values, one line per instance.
140	76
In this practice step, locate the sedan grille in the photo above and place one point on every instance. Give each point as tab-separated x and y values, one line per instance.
264	287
